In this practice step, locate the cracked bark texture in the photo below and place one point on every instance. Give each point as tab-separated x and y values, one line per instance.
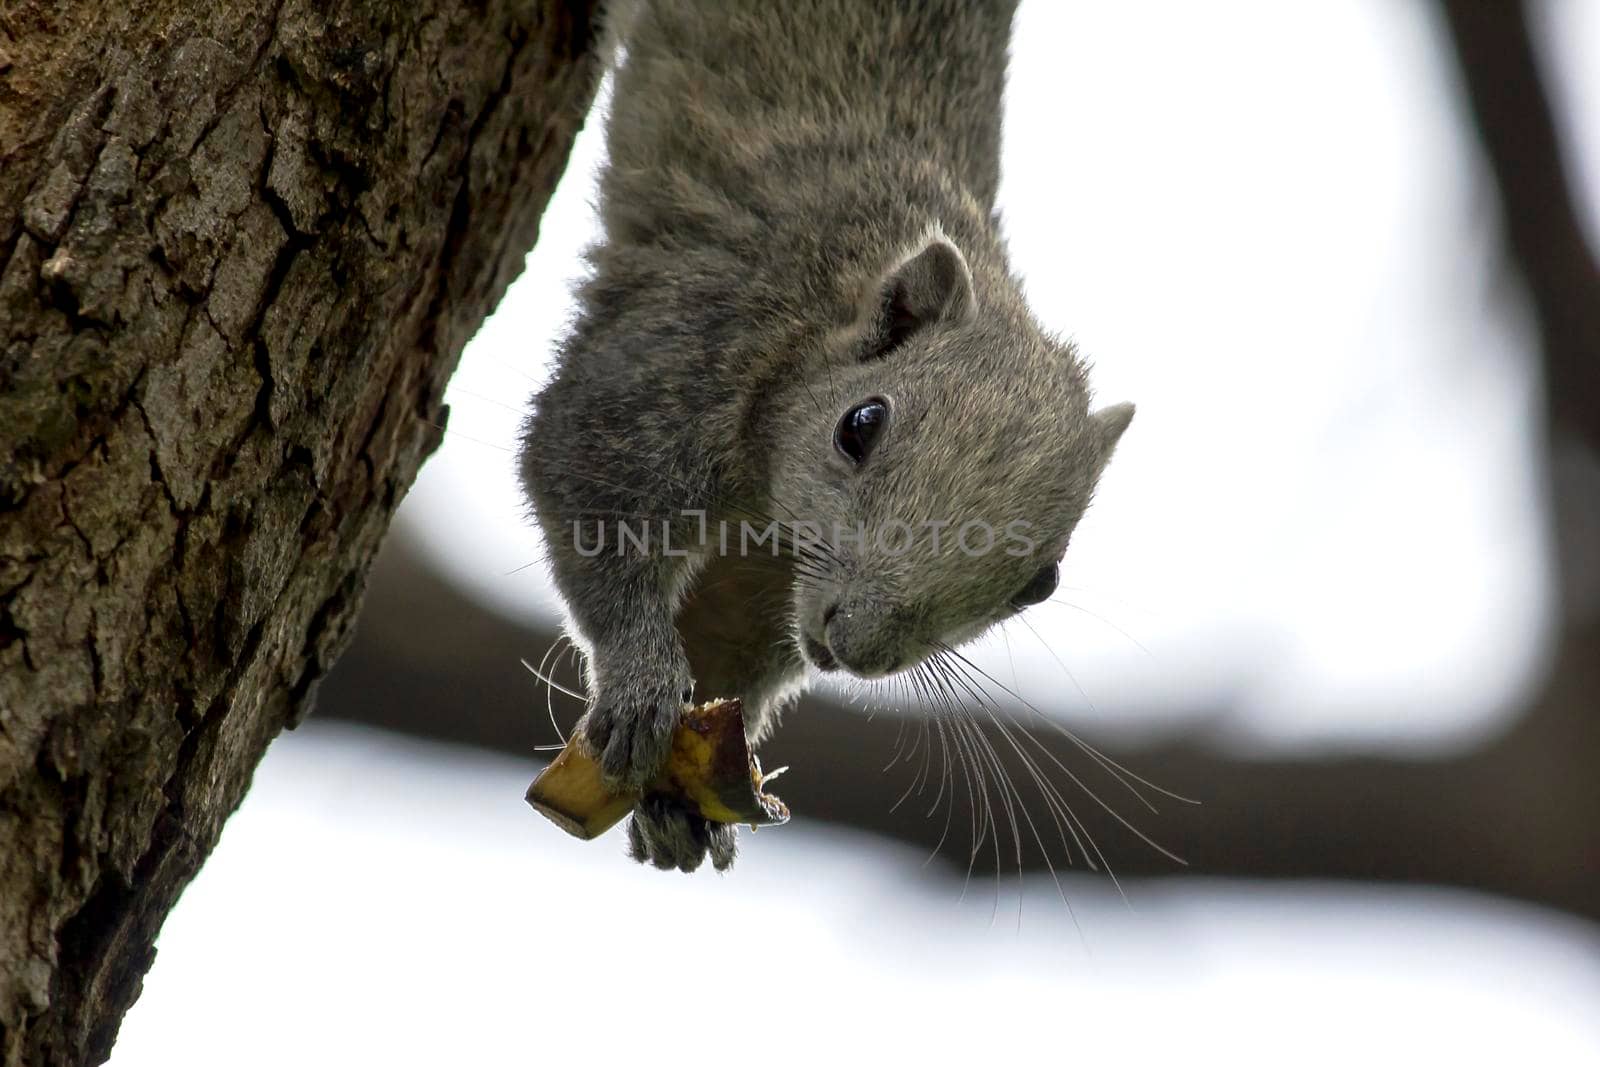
241	247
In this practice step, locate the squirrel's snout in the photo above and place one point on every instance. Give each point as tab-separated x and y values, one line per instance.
861	642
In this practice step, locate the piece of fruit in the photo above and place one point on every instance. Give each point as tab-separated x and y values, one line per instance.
710	770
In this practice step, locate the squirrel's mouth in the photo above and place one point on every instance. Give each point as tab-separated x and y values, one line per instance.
819	655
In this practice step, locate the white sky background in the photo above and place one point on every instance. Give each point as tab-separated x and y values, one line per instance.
1266	224
379	900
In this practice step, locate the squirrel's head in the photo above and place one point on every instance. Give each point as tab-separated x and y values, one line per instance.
940	455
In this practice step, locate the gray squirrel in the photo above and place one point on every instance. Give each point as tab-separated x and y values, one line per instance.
800	316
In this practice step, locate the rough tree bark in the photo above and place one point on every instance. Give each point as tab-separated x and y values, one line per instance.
241	247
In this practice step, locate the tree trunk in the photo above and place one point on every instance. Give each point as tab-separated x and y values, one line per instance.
241	247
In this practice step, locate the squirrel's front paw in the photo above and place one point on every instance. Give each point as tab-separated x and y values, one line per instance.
629	733
669	836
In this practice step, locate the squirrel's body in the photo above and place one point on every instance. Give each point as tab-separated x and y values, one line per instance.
798	222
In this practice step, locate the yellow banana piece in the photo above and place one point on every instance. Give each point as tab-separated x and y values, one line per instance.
710	770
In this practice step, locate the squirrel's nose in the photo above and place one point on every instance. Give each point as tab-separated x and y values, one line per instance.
861	648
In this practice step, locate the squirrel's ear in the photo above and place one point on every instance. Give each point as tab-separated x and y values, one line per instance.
1109	422
930	285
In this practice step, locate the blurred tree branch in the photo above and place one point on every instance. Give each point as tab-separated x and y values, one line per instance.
1511	817
1500	73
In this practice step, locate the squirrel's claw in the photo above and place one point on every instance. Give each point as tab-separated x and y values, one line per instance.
670	837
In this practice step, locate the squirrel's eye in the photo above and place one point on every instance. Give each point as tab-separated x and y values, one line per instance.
1039	587
860	428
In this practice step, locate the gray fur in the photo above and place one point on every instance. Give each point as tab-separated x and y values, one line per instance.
798	214
668	837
